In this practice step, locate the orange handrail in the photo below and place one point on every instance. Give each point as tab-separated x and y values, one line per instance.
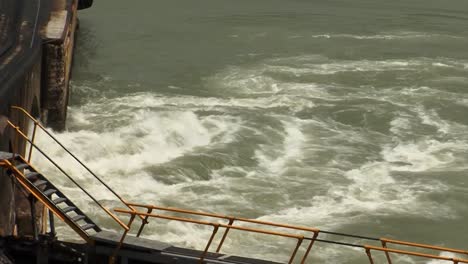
21	133
31	141
412	244
300	238
231	219
410	253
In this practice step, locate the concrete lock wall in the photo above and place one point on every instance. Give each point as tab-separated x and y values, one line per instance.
35	66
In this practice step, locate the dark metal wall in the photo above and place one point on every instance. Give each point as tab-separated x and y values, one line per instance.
20	80
22	93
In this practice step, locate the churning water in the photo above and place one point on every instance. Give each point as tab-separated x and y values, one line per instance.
342	115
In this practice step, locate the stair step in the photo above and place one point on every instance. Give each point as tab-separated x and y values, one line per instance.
68	209
22	166
87	226
32	175
49	192
40	183
78	218
59	200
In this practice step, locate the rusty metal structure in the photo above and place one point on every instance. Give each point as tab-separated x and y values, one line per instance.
37	40
127	246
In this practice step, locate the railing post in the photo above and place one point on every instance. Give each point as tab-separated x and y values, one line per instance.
44	220
144	222
231	221
306	254
215	230
33	138
384	245
32	203
299	242
14	143
369	255
52	223
113	258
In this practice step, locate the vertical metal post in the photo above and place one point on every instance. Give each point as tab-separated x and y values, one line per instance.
32	141
231	221
52	223
384	245
369	255
299	242
44	220
306	254
113	258
14	143
32	203
215	230
144	222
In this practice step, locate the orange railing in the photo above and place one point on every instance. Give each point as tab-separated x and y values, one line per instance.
33	146
232	225
412	253
232	222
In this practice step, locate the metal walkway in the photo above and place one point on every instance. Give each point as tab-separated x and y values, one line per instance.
124	246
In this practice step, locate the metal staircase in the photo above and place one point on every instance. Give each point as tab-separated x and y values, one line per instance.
40	189
46	192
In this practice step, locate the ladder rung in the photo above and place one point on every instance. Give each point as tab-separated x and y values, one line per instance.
59	200
68	209
32	175
87	226
78	218
22	166
40	183
49	192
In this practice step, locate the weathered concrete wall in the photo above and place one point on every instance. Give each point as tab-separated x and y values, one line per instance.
58	57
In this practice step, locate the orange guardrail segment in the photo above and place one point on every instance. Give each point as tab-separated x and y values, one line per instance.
412	253
299	238
182	219
302	228
119	210
418	245
229	226
316	232
178	210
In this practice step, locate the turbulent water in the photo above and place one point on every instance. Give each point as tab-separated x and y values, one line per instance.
347	116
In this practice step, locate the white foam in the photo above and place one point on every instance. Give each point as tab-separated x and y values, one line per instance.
258	79
275	160
387	36
424	155
119	153
430	117
400	125
372	190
